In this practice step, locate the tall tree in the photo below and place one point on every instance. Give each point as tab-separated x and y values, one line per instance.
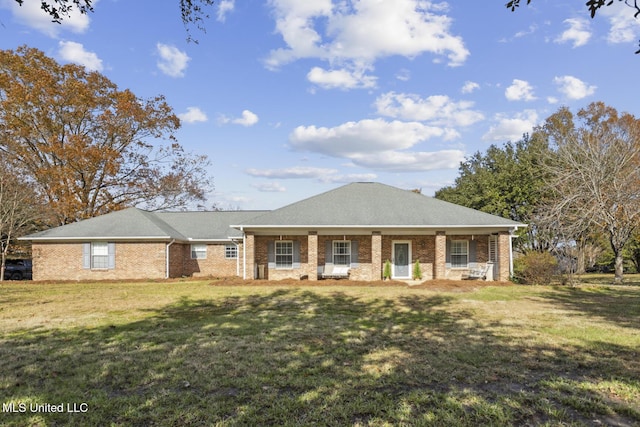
19	211
595	172
507	181
86	145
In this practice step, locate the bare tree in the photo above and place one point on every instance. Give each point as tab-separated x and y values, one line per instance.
595	174
18	211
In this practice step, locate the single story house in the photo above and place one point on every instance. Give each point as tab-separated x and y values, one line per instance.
350	231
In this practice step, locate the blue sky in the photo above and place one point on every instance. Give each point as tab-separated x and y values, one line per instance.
292	98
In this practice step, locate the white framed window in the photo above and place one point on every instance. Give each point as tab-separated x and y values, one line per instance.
198	251
284	253
100	255
459	253
230	251
342	252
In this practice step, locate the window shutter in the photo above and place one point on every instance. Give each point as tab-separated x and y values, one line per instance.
112	255
86	255
296	254
354	253
473	251
328	252
271	253
448	255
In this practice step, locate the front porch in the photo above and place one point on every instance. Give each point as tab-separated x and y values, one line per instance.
441	255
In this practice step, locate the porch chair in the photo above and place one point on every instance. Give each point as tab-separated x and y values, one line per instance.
477	273
331	271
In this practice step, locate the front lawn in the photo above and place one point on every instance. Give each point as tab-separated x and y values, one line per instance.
202	353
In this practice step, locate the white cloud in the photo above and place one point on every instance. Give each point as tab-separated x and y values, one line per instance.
247	119
270	187
398	161
224	8
574	88
512	128
469	87
193	115
578	32
353	35
342	79
436	109
75	52
625	28
345	179
173	62
403	75
365	136
296	172
519	90
378	144
31	15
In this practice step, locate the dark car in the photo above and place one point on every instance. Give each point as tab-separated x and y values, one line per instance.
18	269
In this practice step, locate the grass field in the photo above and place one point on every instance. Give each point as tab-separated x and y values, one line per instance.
199	353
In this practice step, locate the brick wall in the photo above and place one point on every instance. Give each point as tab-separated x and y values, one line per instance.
63	261
215	264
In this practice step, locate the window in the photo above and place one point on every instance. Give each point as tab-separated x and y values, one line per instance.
230	251
99	255
459	253
284	254
198	251
342	252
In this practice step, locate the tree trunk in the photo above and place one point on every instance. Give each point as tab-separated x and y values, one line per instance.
580	255
619	267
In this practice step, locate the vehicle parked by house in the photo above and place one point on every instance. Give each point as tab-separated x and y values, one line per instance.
18	269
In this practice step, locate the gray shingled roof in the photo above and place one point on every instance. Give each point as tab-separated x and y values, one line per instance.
373	204
138	224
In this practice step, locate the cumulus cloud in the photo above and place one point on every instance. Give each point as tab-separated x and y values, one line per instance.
347	178
574	88
297	172
193	115
512	128
624	26
173	62
519	90
435	109
247	119
469	87
353	35
342	78
224	8
378	144
76	53
578	32
31	15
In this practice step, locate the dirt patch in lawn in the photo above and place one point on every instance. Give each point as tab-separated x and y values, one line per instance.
435	285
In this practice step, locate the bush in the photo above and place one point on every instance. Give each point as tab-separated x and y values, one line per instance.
417	271
535	268
386	273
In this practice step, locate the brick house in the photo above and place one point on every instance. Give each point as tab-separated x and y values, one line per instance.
349	231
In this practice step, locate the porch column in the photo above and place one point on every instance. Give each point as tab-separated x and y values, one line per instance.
249	256
504	256
312	254
440	267
376	255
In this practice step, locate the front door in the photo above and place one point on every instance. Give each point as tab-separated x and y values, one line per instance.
401	260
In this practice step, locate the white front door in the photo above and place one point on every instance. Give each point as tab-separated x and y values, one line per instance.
401	260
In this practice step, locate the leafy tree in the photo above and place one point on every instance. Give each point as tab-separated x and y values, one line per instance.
192	11
595	172
84	144
507	181
18	211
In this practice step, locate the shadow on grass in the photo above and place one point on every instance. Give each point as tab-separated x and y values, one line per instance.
296	357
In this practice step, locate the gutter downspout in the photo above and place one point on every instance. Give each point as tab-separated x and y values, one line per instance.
237	258
511	237
166	276
244	254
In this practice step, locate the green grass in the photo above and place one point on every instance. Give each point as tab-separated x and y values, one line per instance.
189	353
